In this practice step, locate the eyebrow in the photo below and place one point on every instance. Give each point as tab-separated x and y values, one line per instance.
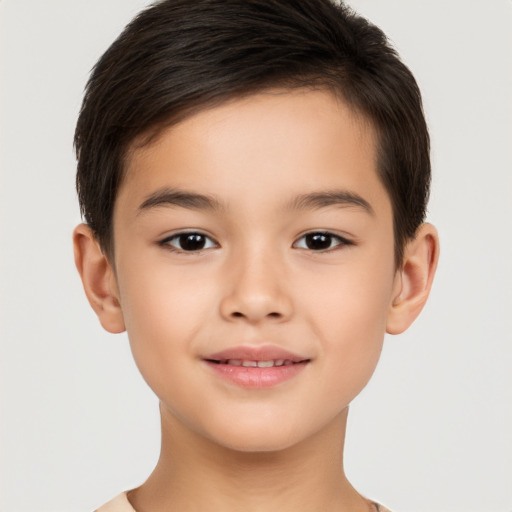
323	199
195	201
181	198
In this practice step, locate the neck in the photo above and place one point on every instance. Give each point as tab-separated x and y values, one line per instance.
196	474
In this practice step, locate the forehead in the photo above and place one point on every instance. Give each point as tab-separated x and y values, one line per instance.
270	145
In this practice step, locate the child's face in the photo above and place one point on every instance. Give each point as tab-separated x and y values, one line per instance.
256	230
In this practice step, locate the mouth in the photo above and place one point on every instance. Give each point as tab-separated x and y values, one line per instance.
256	368
250	363
252	356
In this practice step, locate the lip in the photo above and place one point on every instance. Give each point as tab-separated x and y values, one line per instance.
255	377
260	353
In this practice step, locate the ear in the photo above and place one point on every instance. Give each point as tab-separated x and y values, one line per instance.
414	280
98	278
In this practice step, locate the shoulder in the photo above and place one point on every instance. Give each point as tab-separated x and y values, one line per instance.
380	508
121	504
118	504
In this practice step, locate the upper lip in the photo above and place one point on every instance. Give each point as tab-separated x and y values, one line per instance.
260	353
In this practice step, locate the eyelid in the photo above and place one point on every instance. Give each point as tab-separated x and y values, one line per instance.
165	242
342	240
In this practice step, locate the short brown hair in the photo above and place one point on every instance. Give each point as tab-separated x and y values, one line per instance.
180	56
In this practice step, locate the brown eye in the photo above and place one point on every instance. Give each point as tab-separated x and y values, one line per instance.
189	242
320	241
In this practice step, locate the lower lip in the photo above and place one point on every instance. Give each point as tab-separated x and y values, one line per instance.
255	377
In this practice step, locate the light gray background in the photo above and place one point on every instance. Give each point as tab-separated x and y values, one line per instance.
432	431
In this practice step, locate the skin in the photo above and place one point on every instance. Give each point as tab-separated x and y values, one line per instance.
256	282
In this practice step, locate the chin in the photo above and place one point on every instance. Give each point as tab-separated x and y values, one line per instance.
258	438
261	445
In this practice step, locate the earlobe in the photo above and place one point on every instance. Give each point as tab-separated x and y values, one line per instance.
414	280
98	279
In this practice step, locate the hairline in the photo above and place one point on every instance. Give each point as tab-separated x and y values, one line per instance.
151	135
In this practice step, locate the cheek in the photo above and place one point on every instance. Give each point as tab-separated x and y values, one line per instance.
348	315
163	314
158	299
353	303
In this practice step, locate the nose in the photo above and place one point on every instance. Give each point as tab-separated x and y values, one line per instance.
256	290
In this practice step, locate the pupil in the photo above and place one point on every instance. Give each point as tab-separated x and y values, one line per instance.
318	241
192	242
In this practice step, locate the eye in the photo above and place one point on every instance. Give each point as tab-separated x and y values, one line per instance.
320	241
189	242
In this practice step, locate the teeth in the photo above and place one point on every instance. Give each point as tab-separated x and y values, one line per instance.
258	364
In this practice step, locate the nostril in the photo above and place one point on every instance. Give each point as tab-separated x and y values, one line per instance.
274	314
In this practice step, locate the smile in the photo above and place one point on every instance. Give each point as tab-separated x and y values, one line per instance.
252	367
256	364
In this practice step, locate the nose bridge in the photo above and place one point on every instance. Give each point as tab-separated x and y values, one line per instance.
256	285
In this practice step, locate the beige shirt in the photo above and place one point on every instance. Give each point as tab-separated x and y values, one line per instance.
121	504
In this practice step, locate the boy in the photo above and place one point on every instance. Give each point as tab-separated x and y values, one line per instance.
254	176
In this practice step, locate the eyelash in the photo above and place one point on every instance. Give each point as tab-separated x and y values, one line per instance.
180	237
340	241
210	243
